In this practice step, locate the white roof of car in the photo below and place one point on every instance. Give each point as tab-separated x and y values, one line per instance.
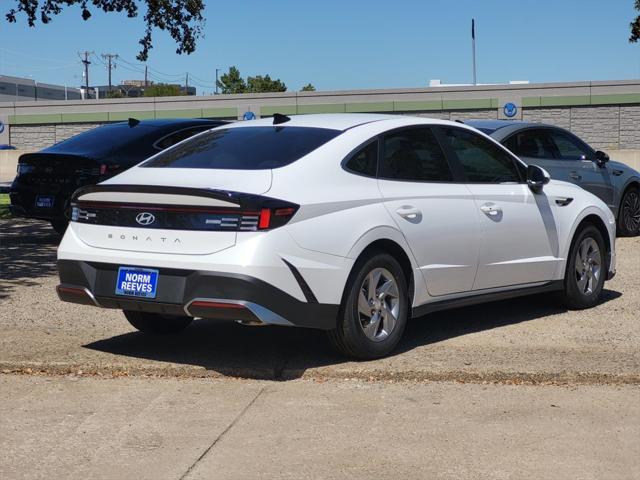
336	121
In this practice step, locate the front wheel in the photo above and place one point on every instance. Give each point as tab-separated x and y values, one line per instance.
375	309
629	214
586	269
157	324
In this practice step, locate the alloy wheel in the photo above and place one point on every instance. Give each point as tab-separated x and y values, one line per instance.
378	304
631	212
588	266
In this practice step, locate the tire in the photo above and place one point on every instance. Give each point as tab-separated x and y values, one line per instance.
586	269
629	213
363	322
157	324
60	226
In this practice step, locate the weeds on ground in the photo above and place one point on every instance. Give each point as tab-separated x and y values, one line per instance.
4	206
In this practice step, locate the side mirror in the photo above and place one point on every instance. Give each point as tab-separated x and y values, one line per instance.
537	178
601	158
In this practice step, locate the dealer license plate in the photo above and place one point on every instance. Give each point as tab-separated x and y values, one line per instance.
137	282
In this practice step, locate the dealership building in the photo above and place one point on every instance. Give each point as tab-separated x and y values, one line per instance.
605	113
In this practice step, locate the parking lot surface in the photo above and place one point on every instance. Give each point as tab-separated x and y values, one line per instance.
515	389
70	427
531	339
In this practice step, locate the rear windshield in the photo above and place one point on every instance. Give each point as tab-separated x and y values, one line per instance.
102	140
486	131
245	148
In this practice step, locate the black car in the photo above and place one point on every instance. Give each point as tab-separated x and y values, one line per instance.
46	179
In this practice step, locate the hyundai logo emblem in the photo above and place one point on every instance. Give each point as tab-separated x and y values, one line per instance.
145	218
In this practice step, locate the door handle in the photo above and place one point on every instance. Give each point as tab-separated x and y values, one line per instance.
491	209
575	176
617	173
409	212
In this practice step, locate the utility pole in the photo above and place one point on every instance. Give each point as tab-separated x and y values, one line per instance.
217	70
146	77
110	65
473	48
186	85
86	62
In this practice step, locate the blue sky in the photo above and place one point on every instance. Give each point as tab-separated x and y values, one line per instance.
347	44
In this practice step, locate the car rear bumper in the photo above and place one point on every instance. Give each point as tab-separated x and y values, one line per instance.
200	294
23	201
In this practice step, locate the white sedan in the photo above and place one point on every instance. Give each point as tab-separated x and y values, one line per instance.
348	223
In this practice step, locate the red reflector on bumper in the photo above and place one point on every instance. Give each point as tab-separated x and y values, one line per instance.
73	291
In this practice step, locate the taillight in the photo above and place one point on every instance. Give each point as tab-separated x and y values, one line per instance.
247	218
264	219
275	217
108	169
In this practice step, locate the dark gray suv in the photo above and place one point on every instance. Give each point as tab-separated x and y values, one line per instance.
566	157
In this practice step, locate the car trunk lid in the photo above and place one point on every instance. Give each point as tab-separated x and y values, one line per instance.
56	171
173	219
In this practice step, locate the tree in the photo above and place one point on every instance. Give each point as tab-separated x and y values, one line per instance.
260	84
232	82
181	18
163	90
115	93
635	25
308	88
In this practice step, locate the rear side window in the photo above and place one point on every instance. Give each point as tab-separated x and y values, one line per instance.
414	154
364	161
245	148
481	160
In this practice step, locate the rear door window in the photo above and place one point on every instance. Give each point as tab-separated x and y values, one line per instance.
414	154
244	148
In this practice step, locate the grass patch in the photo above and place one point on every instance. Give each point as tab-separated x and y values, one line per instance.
4	205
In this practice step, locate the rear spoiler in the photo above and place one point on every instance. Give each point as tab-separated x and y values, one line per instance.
243	200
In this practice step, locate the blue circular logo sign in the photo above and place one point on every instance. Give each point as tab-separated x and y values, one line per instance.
510	110
249	116
1	127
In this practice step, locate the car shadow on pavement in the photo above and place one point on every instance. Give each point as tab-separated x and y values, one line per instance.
27	251
280	353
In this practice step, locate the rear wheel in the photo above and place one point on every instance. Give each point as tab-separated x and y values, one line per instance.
586	269
375	309
157	324
629	214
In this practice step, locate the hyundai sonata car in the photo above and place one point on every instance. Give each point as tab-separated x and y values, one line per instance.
45	181
566	157
347	223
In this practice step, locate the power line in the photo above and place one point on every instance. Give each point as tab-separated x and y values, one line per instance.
22	55
200	79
